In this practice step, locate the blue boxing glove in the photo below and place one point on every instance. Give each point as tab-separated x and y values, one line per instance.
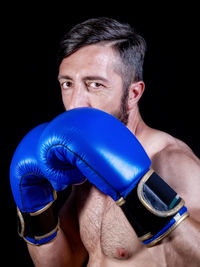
33	192
112	159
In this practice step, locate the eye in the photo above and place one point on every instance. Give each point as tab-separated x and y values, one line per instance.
66	84
95	85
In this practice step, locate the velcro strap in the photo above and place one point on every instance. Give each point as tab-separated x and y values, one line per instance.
151	205
157	196
38	225
168	228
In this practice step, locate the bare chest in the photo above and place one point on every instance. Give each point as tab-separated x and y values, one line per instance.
104	226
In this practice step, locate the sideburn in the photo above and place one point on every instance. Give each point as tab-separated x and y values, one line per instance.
122	115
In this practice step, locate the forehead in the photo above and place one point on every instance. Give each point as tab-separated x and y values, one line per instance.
91	57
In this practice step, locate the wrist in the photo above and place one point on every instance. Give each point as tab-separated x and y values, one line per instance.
153	208
39	227
168	228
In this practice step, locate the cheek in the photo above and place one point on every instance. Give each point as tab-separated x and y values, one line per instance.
110	102
65	99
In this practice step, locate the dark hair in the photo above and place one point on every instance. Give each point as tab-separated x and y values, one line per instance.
130	46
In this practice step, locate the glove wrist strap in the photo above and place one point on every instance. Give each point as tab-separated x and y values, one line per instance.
167	229
151	206
38	227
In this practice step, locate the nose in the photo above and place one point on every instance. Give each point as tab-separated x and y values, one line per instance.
79	98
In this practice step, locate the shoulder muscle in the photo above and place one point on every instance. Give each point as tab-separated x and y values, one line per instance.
180	168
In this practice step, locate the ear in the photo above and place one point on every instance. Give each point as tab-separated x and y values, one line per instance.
135	92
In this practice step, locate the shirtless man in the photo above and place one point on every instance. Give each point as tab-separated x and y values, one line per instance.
101	67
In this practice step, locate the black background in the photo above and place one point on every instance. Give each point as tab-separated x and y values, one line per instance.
30	94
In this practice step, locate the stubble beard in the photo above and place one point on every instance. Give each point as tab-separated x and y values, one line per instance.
122	113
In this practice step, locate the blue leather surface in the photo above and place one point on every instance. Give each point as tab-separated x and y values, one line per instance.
99	145
31	190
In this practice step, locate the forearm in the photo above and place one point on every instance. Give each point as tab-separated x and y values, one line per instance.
182	246
55	253
66	249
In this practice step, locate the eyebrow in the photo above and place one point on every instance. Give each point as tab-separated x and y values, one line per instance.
90	78
66	77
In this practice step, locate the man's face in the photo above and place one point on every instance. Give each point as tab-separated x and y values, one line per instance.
88	79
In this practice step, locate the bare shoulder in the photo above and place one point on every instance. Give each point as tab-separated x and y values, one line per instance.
170	149
158	143
176	163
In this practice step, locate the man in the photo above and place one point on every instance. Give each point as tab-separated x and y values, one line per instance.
101	67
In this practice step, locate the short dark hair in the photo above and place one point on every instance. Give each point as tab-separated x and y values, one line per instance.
129	45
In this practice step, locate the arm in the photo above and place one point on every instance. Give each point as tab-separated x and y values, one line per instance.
56	253
180	168
67	248
88	139
36	203
181	247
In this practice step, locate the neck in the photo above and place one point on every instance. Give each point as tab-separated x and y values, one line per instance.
135	122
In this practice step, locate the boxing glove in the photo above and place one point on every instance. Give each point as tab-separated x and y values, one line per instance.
112	159
33	193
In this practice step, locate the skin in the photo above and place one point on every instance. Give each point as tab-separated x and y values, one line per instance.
91	223
84	86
